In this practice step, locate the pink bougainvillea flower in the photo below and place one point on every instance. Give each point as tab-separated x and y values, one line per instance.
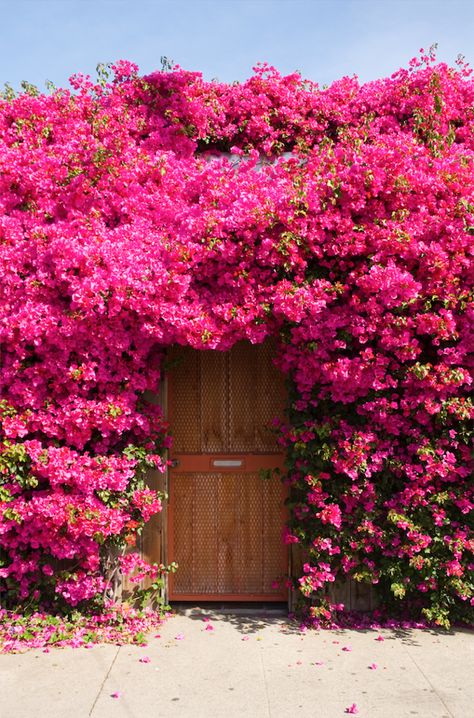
373	666
245	638
127	226
118	625
380	638
145	659
116	694
347	648
352	709
209	627
179	636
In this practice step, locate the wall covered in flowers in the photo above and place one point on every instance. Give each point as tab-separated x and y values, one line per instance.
139	212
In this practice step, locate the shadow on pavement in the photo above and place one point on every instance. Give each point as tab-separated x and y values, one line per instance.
251	618
245	617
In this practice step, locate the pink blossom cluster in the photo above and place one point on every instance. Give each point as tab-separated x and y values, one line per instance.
148	211
115	624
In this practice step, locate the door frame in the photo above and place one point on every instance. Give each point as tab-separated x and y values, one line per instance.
204	461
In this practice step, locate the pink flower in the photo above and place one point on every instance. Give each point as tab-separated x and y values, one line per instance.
125	236
245	638
331	514
209	627
352	709
145	659
373	666
347	648
288	537
179	636
380	638
117	694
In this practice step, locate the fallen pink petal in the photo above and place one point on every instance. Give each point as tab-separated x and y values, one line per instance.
179	636
145	659
373	666
380	638
209	627
245	638
117	694
353	710
347	648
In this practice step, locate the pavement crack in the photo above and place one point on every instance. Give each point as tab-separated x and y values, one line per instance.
430	684
103	682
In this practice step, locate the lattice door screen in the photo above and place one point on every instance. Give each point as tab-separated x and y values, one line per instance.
224	402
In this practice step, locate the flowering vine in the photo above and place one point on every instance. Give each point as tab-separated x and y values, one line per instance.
139	212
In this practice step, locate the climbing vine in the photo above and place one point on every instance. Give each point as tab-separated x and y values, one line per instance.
139	212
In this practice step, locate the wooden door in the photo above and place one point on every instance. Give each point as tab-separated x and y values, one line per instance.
225	519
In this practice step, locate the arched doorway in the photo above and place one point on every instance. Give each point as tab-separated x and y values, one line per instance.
226	504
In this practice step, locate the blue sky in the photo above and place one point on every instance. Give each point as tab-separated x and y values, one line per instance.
323	39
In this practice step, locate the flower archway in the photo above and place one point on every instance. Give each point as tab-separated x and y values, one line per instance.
140	212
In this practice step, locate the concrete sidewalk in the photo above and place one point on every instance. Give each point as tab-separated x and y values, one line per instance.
247	665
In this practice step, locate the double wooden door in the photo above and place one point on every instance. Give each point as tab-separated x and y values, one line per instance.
226	507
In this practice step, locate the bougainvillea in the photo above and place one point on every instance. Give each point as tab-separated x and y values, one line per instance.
140	212
118	624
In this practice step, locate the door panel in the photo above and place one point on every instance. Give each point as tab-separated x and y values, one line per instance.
224	520
213	403
229	545
204	539
184	400
242	398
182	525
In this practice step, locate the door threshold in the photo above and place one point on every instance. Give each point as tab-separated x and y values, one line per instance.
250	608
